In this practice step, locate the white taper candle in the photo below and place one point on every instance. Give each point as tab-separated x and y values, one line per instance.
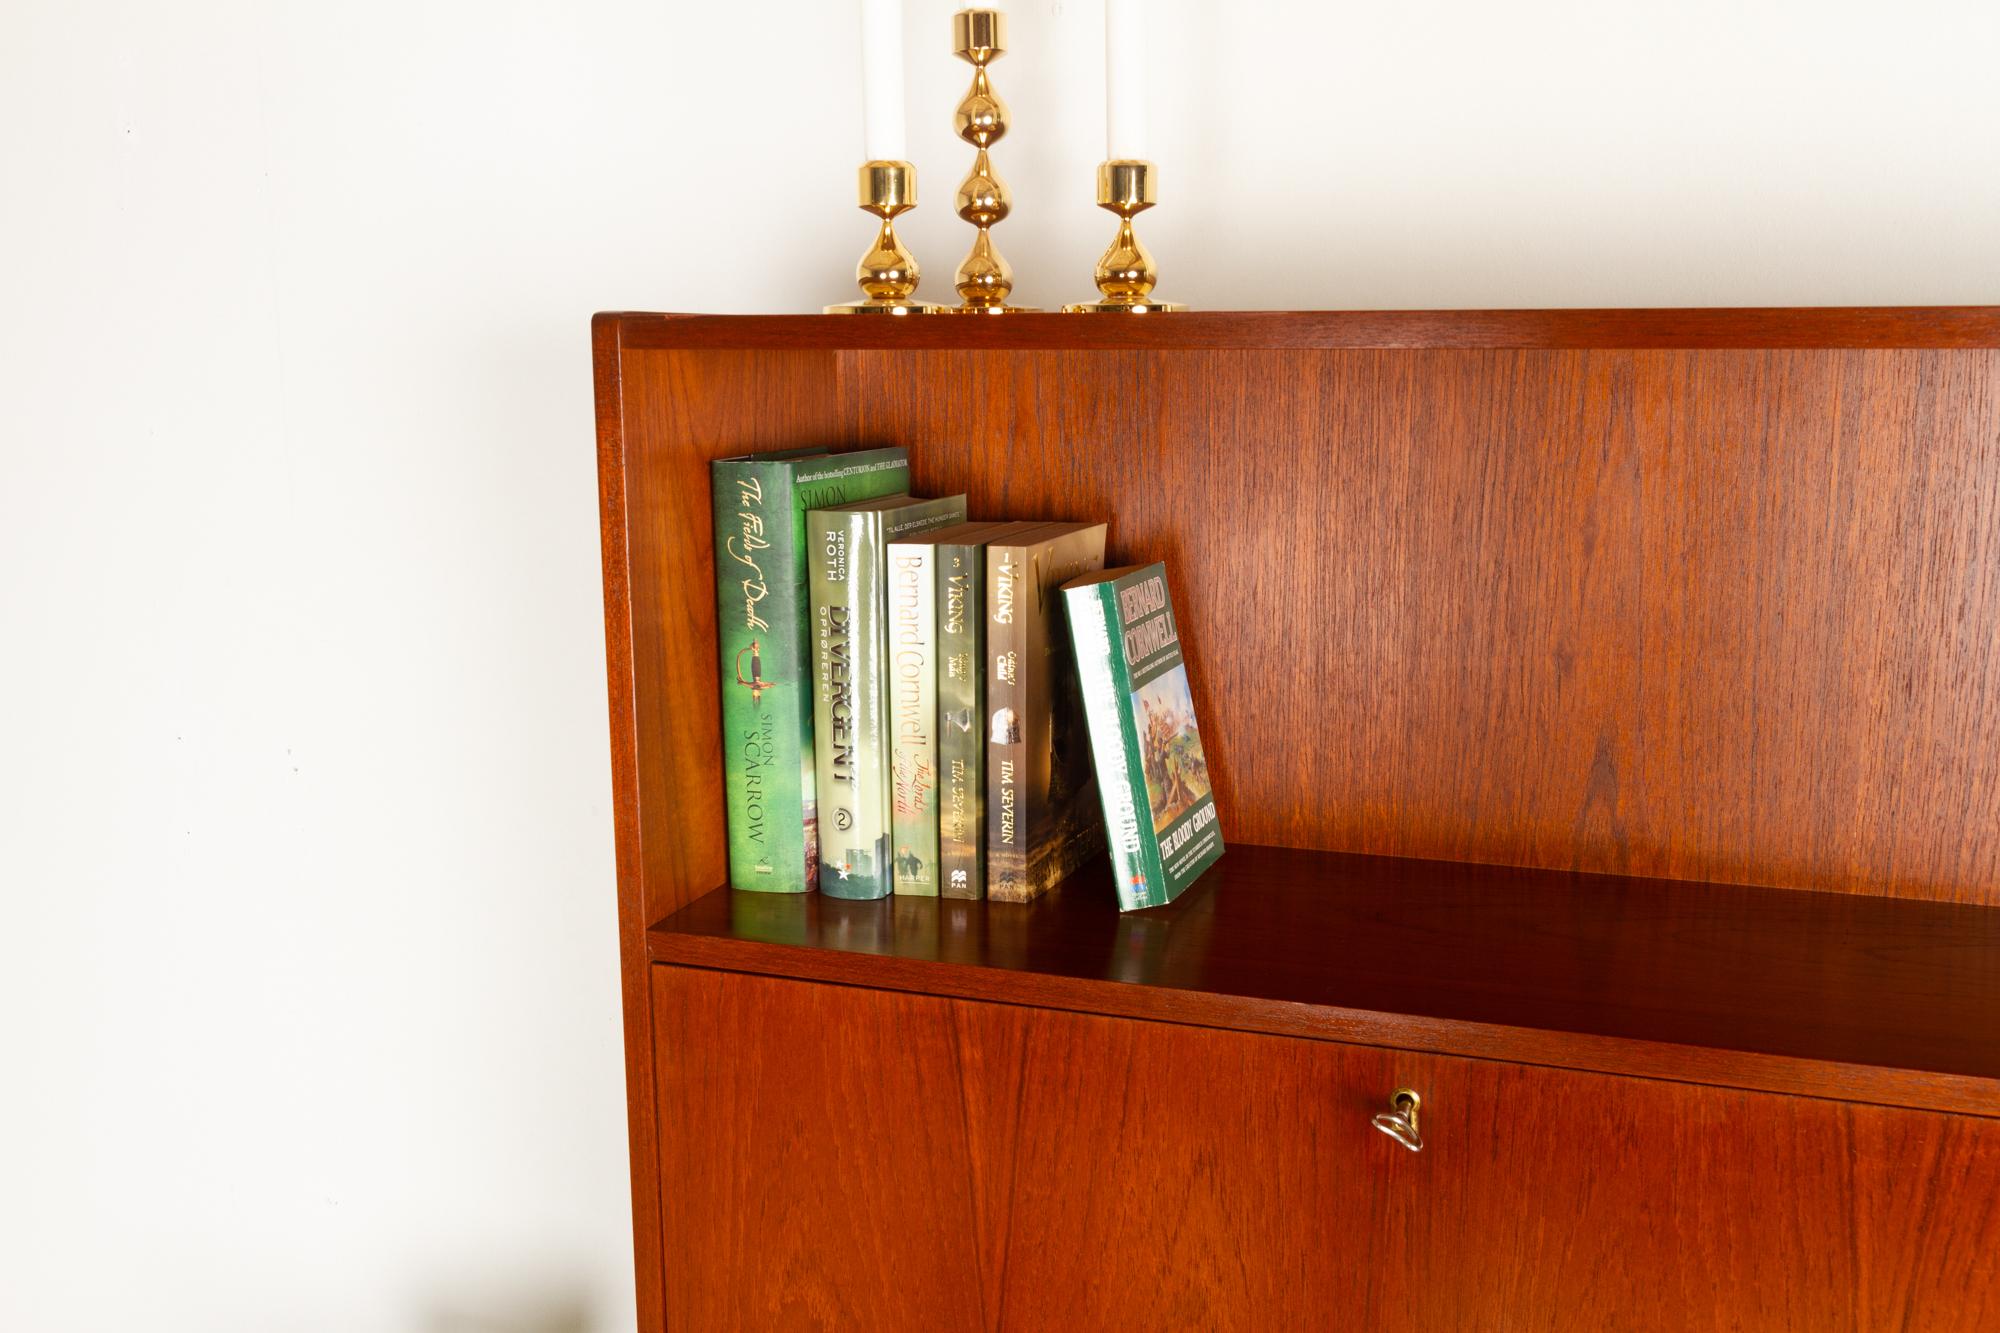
882	80
1126	134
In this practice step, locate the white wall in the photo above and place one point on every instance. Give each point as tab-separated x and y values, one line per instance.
308	1017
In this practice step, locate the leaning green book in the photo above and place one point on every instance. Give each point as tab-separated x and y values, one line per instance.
762	629
847	588
916	683
1152	774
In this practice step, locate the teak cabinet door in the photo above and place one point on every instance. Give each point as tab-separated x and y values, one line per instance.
842	1158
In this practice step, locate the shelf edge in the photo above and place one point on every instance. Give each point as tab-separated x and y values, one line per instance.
1750	1071
1688	328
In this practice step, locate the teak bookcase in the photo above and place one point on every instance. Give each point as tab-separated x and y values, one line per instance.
1604	711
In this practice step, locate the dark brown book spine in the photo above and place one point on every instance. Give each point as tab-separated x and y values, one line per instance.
961	713
1008	603
1043	819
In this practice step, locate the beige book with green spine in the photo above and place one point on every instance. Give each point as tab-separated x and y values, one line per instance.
914	721
847	548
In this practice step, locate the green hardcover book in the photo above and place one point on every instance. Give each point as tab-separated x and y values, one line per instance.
1041	792
1159	811
961	706
914	682
762	628
847	587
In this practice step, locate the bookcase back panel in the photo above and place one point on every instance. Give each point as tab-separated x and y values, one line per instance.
1730	615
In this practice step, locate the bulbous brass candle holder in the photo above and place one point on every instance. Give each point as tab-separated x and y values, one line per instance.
1126	273
888	273
984	280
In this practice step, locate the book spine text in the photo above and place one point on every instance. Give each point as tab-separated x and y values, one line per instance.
846	607
913	716
766	719
1006	700
961	713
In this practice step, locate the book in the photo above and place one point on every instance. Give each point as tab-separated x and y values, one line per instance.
1152	775
761	617
1041	792
961	706
914	678
846	588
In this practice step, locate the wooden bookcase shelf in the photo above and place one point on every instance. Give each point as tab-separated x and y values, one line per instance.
1875	328
1692	616
1864	998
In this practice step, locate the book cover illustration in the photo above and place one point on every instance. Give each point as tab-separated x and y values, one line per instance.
1041	790
915	679
852	675
1170	748
1152	772
760	503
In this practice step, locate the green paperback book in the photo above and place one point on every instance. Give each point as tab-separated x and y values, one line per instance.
847	589
961	706
761	619
1041	792
915	670
1152	776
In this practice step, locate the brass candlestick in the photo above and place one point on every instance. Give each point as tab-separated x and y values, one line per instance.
984	280
1126	273
888	273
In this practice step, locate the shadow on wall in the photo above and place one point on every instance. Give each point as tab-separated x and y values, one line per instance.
517	1311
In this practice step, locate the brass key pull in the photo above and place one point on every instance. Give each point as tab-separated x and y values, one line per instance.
1399	1122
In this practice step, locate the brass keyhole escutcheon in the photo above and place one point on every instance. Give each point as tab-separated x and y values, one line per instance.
1399	1122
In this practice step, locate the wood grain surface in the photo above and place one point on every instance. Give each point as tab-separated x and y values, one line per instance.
1211	330
658	421
1703	614
1709	595
1835	995
1717	615
622	692
846	1158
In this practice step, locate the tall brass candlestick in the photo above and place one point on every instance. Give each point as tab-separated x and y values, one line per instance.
888	273
1126	273
984	280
